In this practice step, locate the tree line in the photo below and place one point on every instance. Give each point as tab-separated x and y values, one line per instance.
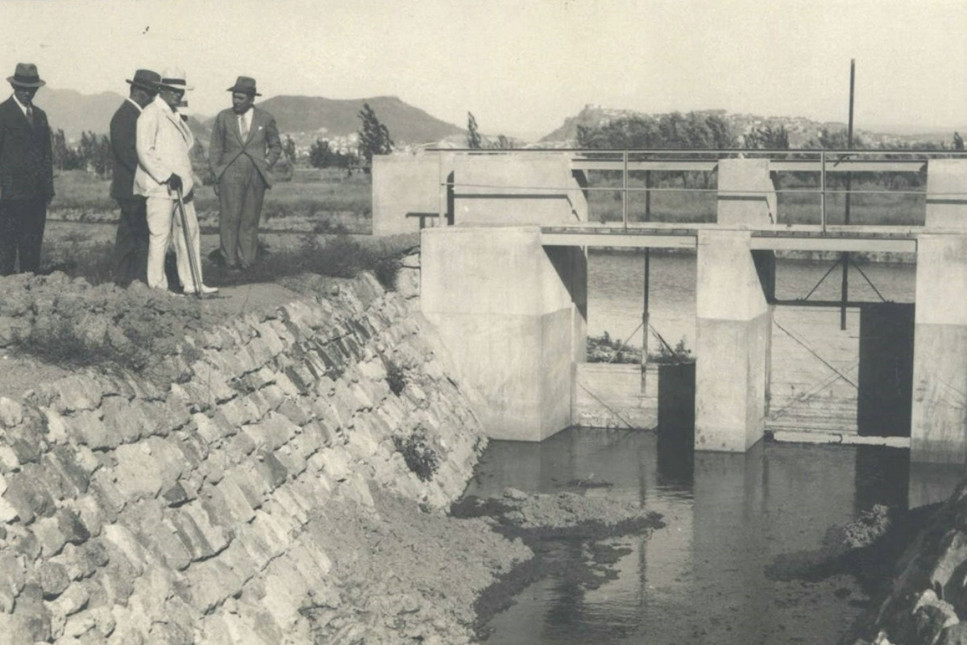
92	153
373	138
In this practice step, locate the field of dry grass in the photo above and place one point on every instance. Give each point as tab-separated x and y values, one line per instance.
672	202
315	200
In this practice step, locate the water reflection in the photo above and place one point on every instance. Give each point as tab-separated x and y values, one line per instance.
701	578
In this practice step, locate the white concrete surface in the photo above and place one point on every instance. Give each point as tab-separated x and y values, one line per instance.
504	307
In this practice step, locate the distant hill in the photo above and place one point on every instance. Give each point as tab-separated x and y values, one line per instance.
800	129
74	112
331	118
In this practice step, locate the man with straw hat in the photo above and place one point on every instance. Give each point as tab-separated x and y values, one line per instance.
245	145
131	243
26	173
164	177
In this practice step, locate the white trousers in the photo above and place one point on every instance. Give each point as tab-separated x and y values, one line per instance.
164	223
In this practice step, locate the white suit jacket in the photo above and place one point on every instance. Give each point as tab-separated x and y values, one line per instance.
163	143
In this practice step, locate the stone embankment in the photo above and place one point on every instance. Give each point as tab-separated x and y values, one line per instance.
927	603
287	486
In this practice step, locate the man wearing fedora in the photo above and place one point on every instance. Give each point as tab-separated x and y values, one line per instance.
163	174
131	243
245	145
26	173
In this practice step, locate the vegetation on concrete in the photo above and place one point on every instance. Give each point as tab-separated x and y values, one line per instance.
665	354
605	349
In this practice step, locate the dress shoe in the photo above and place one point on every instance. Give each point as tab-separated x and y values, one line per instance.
205	290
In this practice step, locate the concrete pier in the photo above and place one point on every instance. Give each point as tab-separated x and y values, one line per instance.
938	428
513	315
733	330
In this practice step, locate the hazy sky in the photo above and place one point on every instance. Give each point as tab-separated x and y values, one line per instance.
521	66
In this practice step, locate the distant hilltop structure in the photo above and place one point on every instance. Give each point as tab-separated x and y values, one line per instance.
800	129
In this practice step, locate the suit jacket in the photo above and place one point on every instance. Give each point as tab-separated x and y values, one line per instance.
26	160
124	150
262	146
163	143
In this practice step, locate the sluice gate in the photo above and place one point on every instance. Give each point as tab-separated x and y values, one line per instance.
504	273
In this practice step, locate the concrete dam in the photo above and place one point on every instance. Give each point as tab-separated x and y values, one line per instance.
504	277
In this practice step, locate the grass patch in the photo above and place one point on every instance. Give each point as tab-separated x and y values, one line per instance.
74	324
339	257
315	195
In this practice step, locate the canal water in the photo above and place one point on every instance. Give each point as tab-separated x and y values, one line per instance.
705	576
731	521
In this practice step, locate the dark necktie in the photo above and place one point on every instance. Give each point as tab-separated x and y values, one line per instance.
30	115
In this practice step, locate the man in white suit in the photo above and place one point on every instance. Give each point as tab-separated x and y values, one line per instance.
164	168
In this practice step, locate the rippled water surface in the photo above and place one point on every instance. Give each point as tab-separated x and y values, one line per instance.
701	578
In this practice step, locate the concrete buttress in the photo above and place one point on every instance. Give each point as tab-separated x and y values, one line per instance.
513	316
734	328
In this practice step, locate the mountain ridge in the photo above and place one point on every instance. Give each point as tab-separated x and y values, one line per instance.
310	116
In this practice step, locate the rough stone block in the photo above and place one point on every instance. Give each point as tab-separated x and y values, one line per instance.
206	429
214	382
11	412
70	468
265	538
295	410
87	428
77	392
239	447
138	473
238	412
28	496
83	560
271	470
285	589
13	569
290	505
109	497
210	583
126	420
53	579
194	527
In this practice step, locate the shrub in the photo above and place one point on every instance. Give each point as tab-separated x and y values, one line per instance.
671	355
420	457
395	376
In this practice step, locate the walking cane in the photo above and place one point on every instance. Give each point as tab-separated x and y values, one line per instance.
189	247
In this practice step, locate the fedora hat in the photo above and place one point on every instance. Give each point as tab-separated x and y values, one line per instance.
173	78
245	84
146	80
25	76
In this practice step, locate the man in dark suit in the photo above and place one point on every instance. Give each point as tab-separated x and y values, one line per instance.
26	173
131	244
245	144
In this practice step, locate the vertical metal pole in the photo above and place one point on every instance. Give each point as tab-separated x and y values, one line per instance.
844	288
822	186
624	190
442	214
647	285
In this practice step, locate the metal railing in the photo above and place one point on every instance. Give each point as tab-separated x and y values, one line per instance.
628	163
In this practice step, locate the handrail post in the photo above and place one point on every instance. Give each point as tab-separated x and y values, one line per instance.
624	190
822	183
